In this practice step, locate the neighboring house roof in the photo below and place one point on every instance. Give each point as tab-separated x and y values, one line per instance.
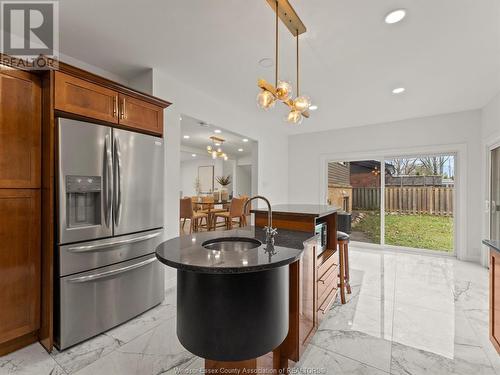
370	165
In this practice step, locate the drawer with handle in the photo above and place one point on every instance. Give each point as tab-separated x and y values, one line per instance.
95	301
93	254
332	260
327	282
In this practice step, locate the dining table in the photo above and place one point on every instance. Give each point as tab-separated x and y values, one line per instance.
209	206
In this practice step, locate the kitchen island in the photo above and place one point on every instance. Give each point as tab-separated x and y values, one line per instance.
232	294
494	257
314	280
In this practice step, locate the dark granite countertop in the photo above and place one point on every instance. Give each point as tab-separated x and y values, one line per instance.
314	210
494	244
187	253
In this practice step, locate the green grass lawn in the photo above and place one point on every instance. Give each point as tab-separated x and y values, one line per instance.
418	231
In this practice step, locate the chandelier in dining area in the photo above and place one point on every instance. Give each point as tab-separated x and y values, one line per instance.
215	149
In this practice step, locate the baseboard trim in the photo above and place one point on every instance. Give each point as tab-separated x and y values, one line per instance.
18	343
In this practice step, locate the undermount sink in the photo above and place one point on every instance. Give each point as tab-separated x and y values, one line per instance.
231	244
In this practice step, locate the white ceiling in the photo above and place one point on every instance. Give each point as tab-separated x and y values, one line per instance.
199	133
446	52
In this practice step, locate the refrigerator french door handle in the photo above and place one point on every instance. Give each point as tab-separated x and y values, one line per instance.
107	172
117	180
102	275
98	247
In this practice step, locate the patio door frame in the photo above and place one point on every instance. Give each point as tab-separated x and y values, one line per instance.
489	146
460	191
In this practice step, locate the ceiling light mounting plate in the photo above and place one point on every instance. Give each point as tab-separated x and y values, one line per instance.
288	16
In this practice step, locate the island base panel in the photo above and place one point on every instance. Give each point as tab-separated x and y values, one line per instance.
232	317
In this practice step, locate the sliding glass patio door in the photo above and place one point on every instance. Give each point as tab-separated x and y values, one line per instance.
355	186
407	202
419	202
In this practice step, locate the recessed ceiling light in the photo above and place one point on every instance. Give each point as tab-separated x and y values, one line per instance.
399	90
217	131
186	136
266	62
240	150
245	140
395	16
313	107
193	155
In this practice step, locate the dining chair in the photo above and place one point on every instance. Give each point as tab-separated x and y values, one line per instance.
194	200
187	212
235	212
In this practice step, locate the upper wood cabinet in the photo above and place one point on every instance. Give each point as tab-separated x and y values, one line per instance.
139	114
20	130
112	104
75	95
19	262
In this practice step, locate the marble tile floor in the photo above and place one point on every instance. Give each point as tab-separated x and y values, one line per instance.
408	314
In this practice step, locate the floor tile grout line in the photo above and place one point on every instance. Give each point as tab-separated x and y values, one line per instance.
345	356
478	336
393	312
115	349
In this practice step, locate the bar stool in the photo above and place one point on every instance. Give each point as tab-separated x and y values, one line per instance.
343	241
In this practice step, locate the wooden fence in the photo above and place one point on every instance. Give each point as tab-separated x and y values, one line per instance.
406	200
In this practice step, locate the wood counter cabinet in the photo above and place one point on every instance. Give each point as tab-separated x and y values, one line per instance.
313	279
494	263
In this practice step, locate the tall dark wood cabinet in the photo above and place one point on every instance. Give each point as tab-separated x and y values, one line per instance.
20	182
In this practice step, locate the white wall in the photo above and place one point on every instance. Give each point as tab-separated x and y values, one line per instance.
306	152
262	127
490	133
490	128
243	180
189	172
228	168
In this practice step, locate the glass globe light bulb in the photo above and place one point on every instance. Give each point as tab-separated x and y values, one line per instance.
209	148
294	117
219	150
265	100
302	103
214	154
284	90
225	157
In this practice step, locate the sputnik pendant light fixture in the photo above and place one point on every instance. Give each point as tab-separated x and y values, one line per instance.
282	90
215	149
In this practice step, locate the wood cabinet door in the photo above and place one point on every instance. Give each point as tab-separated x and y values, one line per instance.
20	130
19	262
495	299
141	115
75	95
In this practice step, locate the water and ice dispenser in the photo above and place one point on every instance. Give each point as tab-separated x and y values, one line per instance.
83	201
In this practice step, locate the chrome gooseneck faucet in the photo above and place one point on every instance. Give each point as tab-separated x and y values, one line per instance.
270	231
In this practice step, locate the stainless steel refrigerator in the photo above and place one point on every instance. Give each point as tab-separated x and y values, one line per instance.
110	219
